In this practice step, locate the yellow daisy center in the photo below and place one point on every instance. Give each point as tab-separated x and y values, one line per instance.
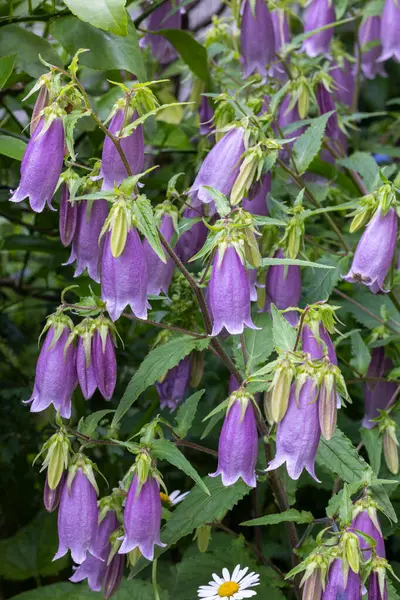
165	499
227	589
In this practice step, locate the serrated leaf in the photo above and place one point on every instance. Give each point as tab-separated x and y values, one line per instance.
373	443
318	284
392	594
259	343
346	506
186	413
334	503
267	262
339	456
381	497
284	334
291	516
88	425
166	450
221	201
146	224
308	145
154	366
364	164
6	68
109	15
361	356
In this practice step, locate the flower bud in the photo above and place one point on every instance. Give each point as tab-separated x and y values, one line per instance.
339	587
197	370
160	272
223	116
280	390
257	38
42	101
144	100
390	446
51	498
84	362
351	550
68	216
113	576
203	537
247	174
173	387
327	406
103	357
312	589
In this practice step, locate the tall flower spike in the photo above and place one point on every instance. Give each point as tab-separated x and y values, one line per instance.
335	587
86	247
142	518
283	288
256	201
229	293
171	390
238	442
124	279
375	251
370	31
390	25
104	359
257	38
41	165
220	168
318	14
68	216
77	517
159	272
301	424
377	393
161	18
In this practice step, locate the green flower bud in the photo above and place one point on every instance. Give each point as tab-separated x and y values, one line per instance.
224	115
351	550
57	458
197	369
303	100
312	589
203	537
281	390
390	446
327	408
144	100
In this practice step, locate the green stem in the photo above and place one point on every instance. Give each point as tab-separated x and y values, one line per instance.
154	580
394	299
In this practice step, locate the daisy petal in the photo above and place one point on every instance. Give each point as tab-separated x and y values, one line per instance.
226	575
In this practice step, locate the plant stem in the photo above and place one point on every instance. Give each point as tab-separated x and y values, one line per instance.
133	317
368	312
154	580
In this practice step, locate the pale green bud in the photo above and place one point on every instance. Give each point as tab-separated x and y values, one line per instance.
351	550
247	172
203	537
327	408
145	101
390	447
303	101
312	589
58	453
281	391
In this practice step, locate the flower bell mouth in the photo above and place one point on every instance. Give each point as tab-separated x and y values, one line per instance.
228	589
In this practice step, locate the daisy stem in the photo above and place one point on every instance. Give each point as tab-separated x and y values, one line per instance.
154	580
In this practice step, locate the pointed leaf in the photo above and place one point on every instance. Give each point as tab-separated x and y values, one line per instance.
186	413
146	224
109	15
307	146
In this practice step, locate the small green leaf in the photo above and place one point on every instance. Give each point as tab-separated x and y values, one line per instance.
186	413
12	147
166	450
307	146
283	333
339	456
109	15
346	506
259	343
88	425
381	497
146	224
6	68
364	164
192	52
292	516
361	356
221	201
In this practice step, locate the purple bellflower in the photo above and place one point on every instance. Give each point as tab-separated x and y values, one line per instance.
377	393
86	249
113	576
229	293
51	498
318	348
256	201
85	367
68	216
257	38
172	388
238	443
335	587
206	114
113	170
363	522
159	273
326	104
220	168
77	519
375	251
41	165
142	518
370	31
318	14
298	434
374	592
192	240
281	29
161	48
104	363
283	288
124	279
390	31
343	77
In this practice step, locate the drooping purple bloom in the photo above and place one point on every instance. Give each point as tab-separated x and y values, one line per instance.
172	389
192	240
281	29
113	170
318	348
390	31
124	279
51	498
364	523
238	446
288	116
104	364
68	216
377	393
113	576
375	251
206	114
86	249
142	518
298	434
257	38
318	14
256	201
55	378
344	83
77	519
370	31
327	104
374	592
220	168
283	288
161	48
229	294
85	371
159	273
41	166
335	589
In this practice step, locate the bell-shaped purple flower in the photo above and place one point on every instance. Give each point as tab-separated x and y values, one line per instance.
229	294
238	445
77	519
113	170
364	523
390	31
172	389
318	348
370	31
377	393
375	251
68	216
343	77
206	114
288	116
113	576
94	568
124	279
192	240
327	104
85	370
220	168
51	498
41	166
161	18
256	201
104	364
335	588
257	38
283	288
281	29
298	434
374	592
86	248
159	273
142	518
55	378
318	14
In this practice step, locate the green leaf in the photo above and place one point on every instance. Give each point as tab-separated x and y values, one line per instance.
27	46
381	497
146	224
88	426
12	147
318	284
339	456
192	52
221	201
283	333
392	594
292	516
373	443
346	506
364	164
6	68
334	503
109	15
259	343
107	51
267	262
155	365
166	450
361	356
307	146
186	413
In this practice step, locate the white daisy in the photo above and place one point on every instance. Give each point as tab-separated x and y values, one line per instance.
227	586
174	498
